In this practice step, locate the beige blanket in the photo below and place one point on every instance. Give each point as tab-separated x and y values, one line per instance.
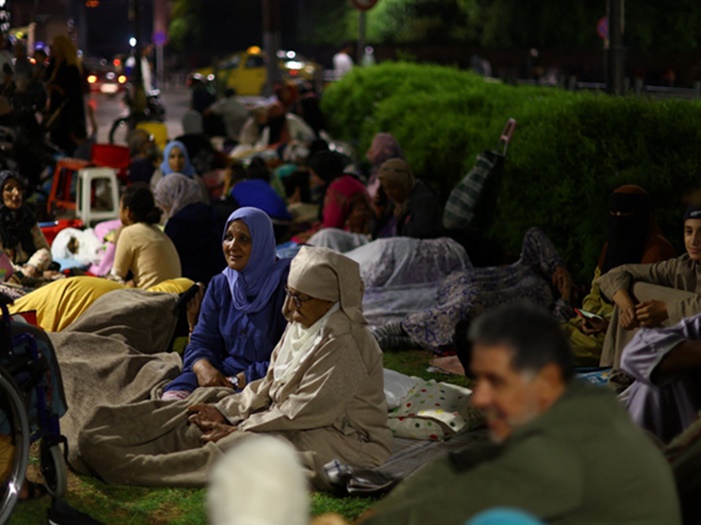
115	354
113	361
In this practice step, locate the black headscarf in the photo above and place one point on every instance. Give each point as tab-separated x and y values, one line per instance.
629	229
16	225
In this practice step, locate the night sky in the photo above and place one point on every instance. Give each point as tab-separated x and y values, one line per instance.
109	29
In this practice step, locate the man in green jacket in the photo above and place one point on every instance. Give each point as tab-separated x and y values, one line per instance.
563	450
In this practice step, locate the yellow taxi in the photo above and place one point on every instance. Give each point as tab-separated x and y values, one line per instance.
245	71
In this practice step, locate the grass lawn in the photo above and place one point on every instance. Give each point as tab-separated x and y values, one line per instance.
125	505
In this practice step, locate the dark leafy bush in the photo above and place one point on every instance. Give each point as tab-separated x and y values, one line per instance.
570	150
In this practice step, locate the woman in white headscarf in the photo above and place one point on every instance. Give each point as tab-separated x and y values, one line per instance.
323	392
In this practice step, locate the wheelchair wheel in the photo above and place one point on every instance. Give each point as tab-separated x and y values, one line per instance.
53	468
14	445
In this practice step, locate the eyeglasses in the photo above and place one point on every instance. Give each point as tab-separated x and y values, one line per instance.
296	298
10	189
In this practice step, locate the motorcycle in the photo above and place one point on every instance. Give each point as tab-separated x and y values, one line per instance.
153	111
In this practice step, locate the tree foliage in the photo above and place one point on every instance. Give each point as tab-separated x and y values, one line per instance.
489	24
185	28
431	21
494	24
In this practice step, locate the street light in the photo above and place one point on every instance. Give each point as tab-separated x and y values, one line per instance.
132	42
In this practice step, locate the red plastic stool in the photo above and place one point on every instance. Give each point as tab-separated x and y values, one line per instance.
61	196
112	156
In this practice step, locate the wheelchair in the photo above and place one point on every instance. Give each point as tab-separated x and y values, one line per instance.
31	403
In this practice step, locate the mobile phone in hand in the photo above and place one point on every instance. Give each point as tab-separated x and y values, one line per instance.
587	315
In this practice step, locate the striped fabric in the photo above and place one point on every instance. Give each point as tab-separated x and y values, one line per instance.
460	207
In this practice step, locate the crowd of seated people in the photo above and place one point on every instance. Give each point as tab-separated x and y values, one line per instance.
281	346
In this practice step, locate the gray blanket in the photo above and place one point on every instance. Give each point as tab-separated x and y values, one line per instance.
114	355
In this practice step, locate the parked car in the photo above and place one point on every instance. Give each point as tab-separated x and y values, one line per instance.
246	73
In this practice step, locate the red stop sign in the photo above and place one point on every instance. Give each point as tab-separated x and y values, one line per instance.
364	5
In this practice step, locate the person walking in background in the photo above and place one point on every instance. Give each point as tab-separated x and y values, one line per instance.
342	61
146	70
65	87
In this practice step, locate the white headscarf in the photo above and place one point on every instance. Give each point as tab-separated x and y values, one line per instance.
298	345
322	274
325	274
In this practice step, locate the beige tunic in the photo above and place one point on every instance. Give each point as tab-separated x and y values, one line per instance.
148	253
334	404
678	284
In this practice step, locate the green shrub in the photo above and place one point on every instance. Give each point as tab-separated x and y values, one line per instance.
569	151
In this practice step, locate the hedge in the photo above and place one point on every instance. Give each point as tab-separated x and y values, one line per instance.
569	151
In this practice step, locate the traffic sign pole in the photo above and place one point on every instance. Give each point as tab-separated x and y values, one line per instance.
362	6
271	42
616	52
361	37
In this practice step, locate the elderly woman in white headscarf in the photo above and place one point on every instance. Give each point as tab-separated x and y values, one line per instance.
323	392
192	225
324	387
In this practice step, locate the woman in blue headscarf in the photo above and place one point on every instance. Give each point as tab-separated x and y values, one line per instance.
177	160
241	318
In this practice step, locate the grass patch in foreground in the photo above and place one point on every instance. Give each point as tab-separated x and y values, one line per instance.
127	505
415	363
119	504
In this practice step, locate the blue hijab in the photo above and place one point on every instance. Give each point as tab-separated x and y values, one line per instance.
252	288
188	170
